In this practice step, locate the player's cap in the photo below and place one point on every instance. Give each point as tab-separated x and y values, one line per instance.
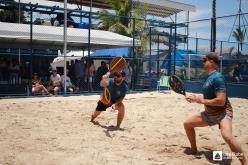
214	56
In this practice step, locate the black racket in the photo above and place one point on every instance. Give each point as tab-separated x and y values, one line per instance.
177	85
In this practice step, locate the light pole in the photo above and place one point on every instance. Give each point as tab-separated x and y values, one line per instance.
89	30
65	43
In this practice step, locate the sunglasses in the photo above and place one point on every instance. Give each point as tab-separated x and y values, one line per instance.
205	60
118	75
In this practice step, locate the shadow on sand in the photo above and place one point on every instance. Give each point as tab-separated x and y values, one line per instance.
108	129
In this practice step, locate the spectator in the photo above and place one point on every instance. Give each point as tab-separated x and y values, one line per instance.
37	86
129	72
183	72
80	74
14	72
69	86
72	72
55	82
236	74
92	72
3	66
101	70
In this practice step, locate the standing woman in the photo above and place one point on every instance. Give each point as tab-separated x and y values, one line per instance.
129	72
218	109
92	72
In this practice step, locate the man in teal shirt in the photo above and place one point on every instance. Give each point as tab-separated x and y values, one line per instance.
117	88
218	109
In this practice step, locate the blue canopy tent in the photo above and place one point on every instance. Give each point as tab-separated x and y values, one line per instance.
124	52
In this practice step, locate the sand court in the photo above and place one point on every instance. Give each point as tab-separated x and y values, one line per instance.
56	130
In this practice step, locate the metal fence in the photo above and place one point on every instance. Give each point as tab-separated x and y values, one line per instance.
167	47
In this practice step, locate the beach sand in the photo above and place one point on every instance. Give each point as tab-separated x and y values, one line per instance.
56	130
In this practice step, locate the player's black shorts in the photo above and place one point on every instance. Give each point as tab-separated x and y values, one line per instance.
101	106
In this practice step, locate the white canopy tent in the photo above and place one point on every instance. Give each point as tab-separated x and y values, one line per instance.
71	56
49	37
14	35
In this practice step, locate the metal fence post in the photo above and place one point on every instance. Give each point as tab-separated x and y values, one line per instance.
158	58
150	51
133	63
175	44
31	51
89	45
221	57
65	43
169	53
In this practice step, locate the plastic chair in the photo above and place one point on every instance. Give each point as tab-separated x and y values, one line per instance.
163	82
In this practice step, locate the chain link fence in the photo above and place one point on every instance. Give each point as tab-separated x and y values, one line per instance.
166	47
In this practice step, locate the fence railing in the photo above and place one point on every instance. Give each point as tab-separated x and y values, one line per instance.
160	40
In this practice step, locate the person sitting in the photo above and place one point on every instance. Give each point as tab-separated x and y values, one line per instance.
37	86
55	82
69	86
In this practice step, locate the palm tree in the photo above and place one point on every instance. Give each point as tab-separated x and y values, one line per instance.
140	31
116	23
121	23
239	35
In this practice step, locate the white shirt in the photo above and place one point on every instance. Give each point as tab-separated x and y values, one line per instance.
55	78
68	81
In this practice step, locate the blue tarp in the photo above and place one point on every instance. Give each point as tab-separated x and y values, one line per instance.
82	25
124	52
15	51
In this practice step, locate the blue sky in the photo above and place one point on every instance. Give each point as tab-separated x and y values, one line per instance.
224	26
223	7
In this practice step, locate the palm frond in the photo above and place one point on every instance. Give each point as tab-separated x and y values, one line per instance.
106	20
120	29
239	35
116	4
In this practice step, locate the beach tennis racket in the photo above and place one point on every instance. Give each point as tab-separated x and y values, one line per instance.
177	85
105	97
117	64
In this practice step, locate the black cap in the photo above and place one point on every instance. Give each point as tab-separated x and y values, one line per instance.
214	56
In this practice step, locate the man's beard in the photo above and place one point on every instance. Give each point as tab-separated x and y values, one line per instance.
118	81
